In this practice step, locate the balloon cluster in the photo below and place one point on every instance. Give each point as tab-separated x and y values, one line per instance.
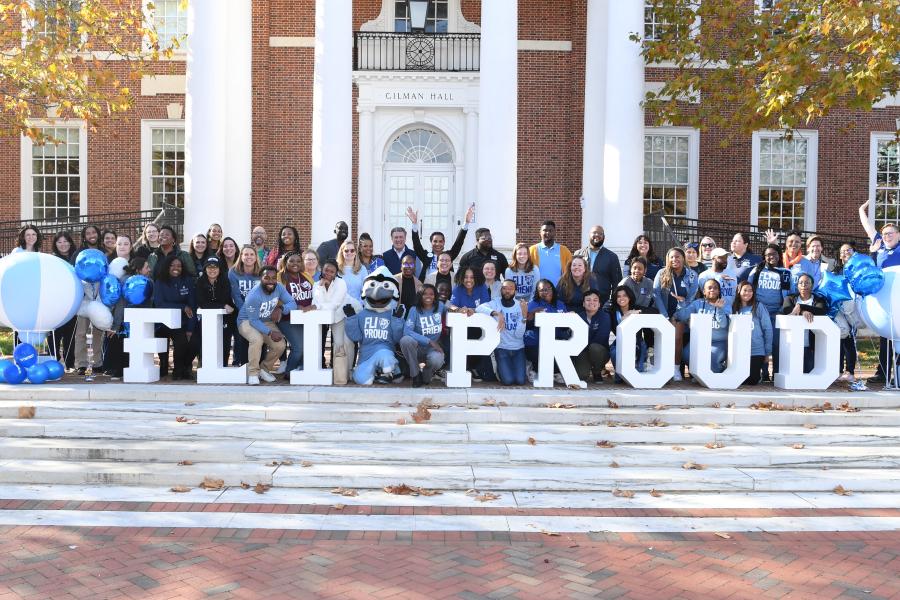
25	365
91	267
863	274
835	289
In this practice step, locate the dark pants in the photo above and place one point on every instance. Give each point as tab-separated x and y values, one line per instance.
62	344
756	366
181	353
196	343
592	361
115	360
240	351
848	354
886	359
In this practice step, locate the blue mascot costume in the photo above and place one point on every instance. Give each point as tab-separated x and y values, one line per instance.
377	328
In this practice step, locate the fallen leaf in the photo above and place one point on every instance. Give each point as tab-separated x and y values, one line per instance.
724	536
677	448
692	466
622	493
210	483
827	406
614	465
501	403
798	446
305	464
729	405
261	488
532	441
611	404
550	533
489	402
840	491
422	413
589	423
394	404
274	463
342	491
714	405
190	403
845	407
605	444
181	419
657	423
655	493
26	412
180	489
245	486
487	497
287	463
573	386
714	426
612	424
560	405
660	407
409	490
339	507
401	421
715	445
185	463
810	425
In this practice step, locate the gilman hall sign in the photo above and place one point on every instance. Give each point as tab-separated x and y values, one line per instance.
419	96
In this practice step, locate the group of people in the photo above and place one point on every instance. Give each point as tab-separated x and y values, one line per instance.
258	286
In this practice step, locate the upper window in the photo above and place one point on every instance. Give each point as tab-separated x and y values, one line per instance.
886	171
162	164
54	179
436	21
784	181
655	26
170	21
49	23
420	146
671	171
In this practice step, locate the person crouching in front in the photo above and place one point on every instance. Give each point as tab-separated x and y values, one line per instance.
257	324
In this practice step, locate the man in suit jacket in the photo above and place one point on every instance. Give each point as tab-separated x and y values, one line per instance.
393	256
603	262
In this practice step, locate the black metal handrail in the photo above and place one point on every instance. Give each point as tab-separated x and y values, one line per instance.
130	223
665	232
443	52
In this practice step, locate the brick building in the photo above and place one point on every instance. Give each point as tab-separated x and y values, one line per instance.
309	111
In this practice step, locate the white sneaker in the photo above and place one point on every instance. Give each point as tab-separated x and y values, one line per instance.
677	375
253	380
266	376
282	367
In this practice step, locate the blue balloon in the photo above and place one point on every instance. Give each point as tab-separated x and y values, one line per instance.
35	338
137	289
38	374
91	265
855	262
834	288
867	280
110	290
55	369
3	364
14	374
25	355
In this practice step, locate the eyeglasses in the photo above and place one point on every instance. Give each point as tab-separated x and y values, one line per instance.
708	245
349	251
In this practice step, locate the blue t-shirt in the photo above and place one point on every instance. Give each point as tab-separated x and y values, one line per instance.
771	285
425	327
727	283
885	257
550	265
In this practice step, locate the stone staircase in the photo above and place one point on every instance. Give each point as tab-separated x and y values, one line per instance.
487	439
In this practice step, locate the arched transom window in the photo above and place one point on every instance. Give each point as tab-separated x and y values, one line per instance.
423	146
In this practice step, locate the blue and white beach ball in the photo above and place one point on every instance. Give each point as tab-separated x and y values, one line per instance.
38	292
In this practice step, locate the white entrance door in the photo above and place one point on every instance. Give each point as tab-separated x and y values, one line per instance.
428	190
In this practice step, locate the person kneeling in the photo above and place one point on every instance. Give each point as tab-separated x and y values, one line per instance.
510	315
592	360
377	329
257	324
712	304
422	336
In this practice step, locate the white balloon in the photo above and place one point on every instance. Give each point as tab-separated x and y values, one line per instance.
881	310
99	315
38	291
117	267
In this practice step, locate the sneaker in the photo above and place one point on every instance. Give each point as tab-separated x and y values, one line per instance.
282	367
475	377
253	380
418	381
81	370
441	375
878	378
676	376
266	376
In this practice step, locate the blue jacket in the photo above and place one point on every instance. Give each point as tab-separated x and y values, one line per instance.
702	307
374	331
598	327
771	286
392	262
763	332
685	286
531	335
425	327
741	267
461	299
259	306
177	293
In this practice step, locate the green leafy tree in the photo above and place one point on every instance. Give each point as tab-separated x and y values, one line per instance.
73	59
764	64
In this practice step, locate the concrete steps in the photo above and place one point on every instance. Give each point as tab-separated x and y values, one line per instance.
490	439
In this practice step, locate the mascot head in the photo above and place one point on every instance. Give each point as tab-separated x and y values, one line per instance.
380	291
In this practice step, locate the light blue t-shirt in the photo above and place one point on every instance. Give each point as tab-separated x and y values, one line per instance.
551	267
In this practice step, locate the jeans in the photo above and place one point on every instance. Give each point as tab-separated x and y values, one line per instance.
294	336
640	355
510	366
382	361
256	340
414	353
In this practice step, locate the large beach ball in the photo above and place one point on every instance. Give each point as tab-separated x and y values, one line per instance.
881	310
38	292
91	265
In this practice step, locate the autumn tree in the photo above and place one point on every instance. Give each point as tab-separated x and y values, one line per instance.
57	58
770	64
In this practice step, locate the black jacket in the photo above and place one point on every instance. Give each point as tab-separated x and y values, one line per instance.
216	295
426	256
608	269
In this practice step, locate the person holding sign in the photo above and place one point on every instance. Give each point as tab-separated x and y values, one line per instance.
510	315
713	304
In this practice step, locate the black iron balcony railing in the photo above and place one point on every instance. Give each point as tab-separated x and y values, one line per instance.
130	223
447	52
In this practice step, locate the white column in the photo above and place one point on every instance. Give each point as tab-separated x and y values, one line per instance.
218	118
365	200
623	139
332	140
471	188
594	118
498	121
